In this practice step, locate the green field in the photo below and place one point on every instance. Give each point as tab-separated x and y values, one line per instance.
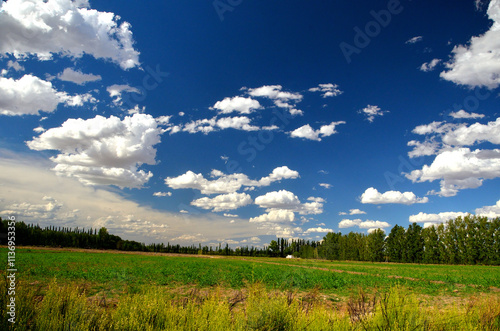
340	291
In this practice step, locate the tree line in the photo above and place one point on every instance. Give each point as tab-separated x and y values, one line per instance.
468	240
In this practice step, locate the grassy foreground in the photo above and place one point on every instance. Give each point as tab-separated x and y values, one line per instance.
253	308
64	290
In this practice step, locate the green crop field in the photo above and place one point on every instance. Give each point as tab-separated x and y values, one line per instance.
352	294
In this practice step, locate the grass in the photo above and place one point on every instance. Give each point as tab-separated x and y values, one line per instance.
66	290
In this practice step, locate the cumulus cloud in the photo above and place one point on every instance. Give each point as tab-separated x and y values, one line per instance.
476	64
223	202
237	104
307	132
64	27
372	196
459	169
162	194
463	114
275	216
274	92
467	135
325	185
103	151
280	98
425	148
77	77
430	66
368	224
227	183
439	218
489	211
286	200
371	111
327	90
29	95
318	230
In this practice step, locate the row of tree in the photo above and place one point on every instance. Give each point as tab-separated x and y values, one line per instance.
468	240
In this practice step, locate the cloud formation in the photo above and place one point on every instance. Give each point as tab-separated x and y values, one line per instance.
67	28
227	183
372	196
77	77
476	64
103	151
223	202
29	95
307	132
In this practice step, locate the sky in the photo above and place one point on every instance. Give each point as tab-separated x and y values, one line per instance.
233	121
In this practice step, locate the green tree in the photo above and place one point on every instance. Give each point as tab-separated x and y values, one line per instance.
375	241
414	244
395	244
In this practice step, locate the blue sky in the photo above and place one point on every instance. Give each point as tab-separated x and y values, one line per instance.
239	121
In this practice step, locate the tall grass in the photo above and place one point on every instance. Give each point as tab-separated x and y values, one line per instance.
255	307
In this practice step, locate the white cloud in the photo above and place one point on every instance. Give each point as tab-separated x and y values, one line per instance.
489	211
373	225
423	149
307	131
325	185
227	183
230	215
162	194
430	66
346	223
223	202
371	111
274	92
476	64
435	218
238	123
368	224
414	40
356	212
280	98
77	77
459	169
15	65
467	135
67	28
115	91
318	230
327	90
372	196
434	127
29	95
286	200
103	151
463	114
66	202
237	104
275	216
